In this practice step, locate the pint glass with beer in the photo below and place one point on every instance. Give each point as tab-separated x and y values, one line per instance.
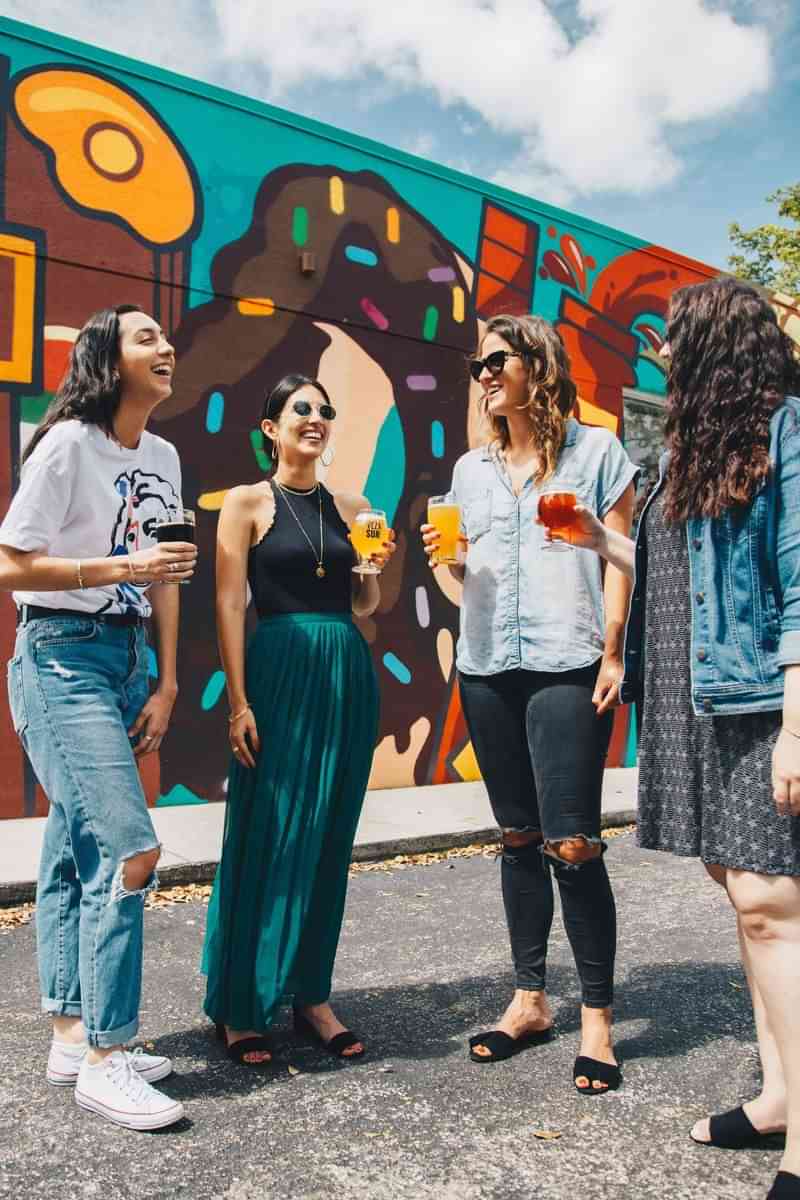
445	516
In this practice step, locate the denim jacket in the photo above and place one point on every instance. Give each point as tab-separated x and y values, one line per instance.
525	605
744	570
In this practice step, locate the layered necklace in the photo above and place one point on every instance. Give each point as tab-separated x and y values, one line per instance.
318	558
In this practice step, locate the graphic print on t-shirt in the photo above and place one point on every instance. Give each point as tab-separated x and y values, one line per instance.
144	499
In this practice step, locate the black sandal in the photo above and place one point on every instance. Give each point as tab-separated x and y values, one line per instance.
785	1187
733	1130
337	1044
501	1045
591	1069
236	1051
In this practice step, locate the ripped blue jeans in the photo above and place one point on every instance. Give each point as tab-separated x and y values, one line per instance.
541	749
76	685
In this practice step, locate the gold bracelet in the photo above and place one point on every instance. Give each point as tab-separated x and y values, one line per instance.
131	571
235	716
80	577
791	731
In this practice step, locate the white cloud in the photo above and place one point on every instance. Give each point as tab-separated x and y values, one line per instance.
590	105
591	114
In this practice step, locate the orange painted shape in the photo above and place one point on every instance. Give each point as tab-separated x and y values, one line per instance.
392	225
507	229
590	414
111	154
18	367
56	357
212	501
465	764
499	261
256	306
487	289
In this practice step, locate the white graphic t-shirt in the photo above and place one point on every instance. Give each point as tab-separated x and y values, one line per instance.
82	495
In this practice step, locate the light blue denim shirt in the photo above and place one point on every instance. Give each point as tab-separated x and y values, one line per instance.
527	605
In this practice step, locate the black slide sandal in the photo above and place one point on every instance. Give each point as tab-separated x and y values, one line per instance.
786	1186
733	1130
236	1051
591	1069
502	1046
336	1046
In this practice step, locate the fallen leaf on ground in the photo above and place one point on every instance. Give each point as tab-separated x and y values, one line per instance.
293	1070
546	1135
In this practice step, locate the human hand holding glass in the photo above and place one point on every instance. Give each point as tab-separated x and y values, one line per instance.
177	527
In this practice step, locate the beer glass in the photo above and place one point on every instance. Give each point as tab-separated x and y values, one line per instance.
557	512
177	527
368	533
445	516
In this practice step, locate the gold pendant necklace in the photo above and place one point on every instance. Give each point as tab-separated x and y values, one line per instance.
320	571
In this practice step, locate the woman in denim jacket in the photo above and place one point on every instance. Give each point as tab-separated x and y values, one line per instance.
539	663
713	652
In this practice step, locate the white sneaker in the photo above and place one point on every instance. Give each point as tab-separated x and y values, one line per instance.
116	1091
65	1061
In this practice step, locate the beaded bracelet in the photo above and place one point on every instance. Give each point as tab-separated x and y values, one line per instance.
235	716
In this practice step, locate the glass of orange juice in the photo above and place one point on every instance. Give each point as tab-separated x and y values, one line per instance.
557	512
445	516
368	533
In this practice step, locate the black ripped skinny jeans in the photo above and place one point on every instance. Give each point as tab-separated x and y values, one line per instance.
541	749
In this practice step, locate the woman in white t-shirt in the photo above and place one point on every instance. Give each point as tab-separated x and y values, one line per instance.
78	550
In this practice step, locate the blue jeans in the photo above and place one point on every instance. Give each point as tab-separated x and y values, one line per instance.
76	686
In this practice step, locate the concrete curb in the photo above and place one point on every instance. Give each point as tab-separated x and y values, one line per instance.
203	872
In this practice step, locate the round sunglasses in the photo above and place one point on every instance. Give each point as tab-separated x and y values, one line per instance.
494	363
303	409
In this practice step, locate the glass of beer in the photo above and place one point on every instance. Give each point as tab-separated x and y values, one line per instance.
368	533
557	512
177	527
445	516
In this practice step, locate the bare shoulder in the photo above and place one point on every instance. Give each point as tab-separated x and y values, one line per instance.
348	504
246	498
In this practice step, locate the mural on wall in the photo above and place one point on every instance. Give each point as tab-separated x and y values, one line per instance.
334	272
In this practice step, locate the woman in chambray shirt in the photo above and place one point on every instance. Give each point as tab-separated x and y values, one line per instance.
539	662
713	650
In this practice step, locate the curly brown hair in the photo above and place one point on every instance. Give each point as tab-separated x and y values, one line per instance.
730	368
551	393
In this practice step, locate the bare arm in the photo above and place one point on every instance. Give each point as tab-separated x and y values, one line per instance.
152	723
786	755
234	535
35	571
366	592
616	594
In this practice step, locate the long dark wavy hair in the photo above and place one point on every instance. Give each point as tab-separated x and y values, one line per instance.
276	400
551	391
730	367
90	390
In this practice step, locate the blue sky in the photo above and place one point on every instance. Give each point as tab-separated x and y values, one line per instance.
664	120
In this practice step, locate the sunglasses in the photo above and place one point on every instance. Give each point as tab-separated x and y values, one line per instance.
494	363
303	409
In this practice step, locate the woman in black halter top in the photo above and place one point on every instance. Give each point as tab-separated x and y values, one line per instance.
304	718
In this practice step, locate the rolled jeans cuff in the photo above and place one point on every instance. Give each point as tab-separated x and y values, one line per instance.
105	1039
61	1008
529	983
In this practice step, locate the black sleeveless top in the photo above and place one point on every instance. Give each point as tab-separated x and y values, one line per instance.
281	568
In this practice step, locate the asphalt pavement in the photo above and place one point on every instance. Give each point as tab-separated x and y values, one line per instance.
423	964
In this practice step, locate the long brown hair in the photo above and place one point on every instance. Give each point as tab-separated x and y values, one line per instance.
551	391
730	368
90	390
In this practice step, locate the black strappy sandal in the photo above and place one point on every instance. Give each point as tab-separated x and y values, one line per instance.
734	1130
337	1044
236	1051
501	1045
591	1069
786	1186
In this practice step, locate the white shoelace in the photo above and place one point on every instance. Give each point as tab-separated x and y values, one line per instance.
120	1072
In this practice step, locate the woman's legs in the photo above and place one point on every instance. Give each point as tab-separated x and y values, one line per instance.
494	708
568	745
768	913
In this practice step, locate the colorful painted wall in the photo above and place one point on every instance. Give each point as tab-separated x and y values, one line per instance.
265	243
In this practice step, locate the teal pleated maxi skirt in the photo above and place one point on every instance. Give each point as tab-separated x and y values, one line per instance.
276	909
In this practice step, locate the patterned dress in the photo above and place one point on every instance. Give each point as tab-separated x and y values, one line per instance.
705	784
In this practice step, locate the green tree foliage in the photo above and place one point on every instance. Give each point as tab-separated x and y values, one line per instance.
770	254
